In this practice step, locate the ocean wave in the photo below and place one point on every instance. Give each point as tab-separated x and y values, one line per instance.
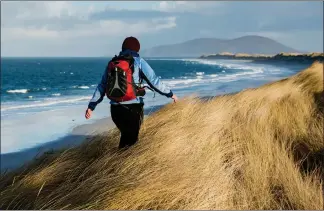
213	75
200	73
80	87
227	65
241	70
83	87
199	80
173	83
201	61
56	94
164	59
241	67
23	91
43	104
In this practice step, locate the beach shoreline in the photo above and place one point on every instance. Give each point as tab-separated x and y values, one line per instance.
282	58
79	134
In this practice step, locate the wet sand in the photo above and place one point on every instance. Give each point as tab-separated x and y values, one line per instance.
78	135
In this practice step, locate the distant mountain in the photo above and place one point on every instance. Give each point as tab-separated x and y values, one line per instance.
198	47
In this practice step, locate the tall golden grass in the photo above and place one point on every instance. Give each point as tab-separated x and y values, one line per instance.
239	151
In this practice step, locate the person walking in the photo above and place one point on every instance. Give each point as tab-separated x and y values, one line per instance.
122	83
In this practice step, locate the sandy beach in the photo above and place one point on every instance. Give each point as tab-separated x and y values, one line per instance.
77	136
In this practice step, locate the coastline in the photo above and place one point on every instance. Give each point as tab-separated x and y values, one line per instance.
183	146
78	135
264	59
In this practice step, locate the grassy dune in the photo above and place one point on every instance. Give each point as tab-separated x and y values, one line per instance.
257	149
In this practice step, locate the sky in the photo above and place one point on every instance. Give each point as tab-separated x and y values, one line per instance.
97	28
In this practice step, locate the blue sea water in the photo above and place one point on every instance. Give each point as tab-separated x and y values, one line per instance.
43	99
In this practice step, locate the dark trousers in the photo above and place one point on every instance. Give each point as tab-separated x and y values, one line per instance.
128	119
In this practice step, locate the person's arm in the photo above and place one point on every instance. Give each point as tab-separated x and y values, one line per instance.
153	81
99	93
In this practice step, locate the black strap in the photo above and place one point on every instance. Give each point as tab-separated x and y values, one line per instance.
140	73
151	90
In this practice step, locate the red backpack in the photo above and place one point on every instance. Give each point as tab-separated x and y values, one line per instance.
120	82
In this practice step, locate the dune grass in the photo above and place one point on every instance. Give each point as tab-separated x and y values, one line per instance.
248	150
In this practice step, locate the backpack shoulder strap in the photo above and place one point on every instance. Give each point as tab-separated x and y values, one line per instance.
115	58
141	76
128	58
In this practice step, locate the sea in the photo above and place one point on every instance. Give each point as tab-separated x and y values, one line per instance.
43	99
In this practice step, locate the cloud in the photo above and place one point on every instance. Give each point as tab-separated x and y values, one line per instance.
95	28
99	28
46	20
204	7
68	29
274	16
127	15
17	12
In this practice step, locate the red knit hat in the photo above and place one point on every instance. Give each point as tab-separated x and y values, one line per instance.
131	43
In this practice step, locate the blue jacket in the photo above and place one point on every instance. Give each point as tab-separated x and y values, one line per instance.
140	66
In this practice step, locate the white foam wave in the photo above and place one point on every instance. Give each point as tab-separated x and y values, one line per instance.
226	65
23	91
201	61
56	94
211	78
80	87
213	75
83	87
174	83
243	69
43	104
200	73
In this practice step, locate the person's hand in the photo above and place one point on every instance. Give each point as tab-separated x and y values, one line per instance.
175	98
88	113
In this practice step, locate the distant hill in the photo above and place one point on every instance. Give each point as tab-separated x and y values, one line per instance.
198	47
